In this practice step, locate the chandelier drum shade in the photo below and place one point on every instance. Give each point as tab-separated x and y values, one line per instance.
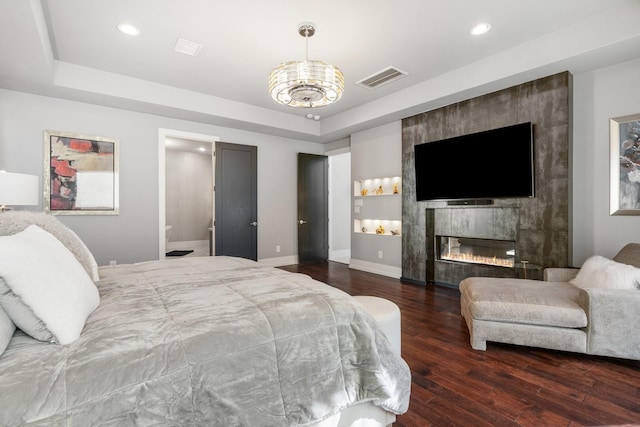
307	83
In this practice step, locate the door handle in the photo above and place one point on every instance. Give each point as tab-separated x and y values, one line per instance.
302	222
253	224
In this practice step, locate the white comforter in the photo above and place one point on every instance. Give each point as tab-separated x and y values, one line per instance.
213	341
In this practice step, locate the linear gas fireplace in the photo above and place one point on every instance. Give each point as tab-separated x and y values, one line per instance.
498	253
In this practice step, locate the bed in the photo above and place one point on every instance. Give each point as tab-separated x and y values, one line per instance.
203	341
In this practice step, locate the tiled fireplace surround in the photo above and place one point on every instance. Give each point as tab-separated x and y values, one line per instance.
539	226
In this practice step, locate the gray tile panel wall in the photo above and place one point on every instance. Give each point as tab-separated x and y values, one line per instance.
540	225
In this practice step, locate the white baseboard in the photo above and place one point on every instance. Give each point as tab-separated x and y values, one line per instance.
187	244
279	261
372	267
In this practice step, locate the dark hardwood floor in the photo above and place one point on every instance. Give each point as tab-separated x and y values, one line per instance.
453	385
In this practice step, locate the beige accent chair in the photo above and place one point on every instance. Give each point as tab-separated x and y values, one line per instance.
554	313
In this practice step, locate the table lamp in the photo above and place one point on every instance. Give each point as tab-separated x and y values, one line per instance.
18	189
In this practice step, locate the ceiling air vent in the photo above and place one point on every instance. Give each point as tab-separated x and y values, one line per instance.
383	77
187	47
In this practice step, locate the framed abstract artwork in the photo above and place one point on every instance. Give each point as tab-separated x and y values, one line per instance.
625	165
80	174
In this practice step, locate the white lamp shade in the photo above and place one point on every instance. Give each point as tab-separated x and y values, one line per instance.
18	189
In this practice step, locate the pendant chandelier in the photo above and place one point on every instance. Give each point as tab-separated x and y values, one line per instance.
306	84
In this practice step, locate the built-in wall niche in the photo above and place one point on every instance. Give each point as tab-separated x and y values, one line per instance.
378	186
381	227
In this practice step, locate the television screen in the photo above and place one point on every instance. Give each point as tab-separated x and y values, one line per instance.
492	164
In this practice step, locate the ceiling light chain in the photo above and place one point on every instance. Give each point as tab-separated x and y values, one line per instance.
306	83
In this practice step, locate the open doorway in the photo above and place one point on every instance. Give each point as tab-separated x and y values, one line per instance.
185	181
340	207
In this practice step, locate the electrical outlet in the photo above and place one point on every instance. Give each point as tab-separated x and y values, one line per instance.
380	254
278	248
113	262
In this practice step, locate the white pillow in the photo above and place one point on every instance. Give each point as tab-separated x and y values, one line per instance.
22	315
7	328
600	272
12	222
46	280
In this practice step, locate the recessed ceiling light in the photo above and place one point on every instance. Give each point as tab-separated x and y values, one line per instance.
202	149
480	29
128	29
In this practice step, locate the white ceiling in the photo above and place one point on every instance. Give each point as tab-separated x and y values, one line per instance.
71	49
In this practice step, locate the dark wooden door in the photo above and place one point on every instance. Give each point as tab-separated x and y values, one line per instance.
313	208
236	199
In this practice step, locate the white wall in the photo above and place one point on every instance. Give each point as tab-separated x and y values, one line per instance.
189	195
377	153
132	236
340	205
598	96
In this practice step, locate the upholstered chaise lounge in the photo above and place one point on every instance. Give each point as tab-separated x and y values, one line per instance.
594	310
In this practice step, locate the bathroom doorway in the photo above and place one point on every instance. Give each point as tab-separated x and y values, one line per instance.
186	202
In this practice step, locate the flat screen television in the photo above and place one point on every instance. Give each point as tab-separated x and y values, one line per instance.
493	164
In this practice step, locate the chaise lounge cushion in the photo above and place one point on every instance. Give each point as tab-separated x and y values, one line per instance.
523	301
555	314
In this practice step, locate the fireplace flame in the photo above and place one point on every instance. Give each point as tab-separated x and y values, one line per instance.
478	259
